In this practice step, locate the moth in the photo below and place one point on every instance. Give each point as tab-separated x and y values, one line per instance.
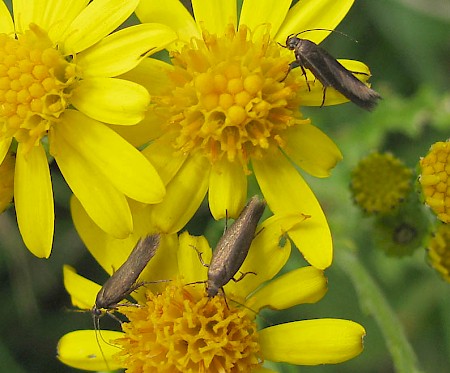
233	246
123	281
329	72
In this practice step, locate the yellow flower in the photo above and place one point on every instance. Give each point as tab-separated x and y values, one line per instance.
380	182
435	180
439	250
177	328
57	89
221	111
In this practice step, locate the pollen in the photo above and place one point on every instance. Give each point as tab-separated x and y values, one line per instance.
182	330
380	182
35	82
435	180
228	99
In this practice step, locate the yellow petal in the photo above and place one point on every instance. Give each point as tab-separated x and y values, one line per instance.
89	349
312	14
215	15
312	342
6	22
111	253
153	74
302	285
81	290
185	192
97	20
23	12
257	13
103	202
189	263
227	189
33	199
111	100
4	147
98	242
171	13
120	163
312	150
53	16
161	155
286	192
124	50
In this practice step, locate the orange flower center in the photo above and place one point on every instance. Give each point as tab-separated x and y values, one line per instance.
182	330
228	98
34	85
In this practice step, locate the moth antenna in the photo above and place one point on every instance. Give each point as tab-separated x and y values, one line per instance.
96	322
326	29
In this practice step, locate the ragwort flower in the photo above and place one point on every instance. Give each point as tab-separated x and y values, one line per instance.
434	179
57	91
177	328
222	111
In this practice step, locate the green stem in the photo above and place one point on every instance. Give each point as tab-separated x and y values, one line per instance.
373	301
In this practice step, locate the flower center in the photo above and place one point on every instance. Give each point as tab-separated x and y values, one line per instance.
380	183
435	179
228	99
34	81
182	330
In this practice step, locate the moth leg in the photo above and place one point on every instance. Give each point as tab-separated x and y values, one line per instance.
243	274
199	253
306	79
323	97
359	73
292	65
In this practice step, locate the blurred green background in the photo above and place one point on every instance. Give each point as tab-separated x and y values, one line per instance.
406	43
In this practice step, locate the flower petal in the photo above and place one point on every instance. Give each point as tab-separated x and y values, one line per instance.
110	100
81	290
215	15
185	193
227	189
286	192
171	13
161	155
24	13
189	264
313	14
6	22
302	285
153	74
120	163
33	198
54	16
103	202
124	50
111	253
264	12
312	342
85	349
97	20
4	147
312	150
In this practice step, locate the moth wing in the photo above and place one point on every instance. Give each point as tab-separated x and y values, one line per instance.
332	74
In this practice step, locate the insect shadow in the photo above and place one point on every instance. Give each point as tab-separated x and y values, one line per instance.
328	71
